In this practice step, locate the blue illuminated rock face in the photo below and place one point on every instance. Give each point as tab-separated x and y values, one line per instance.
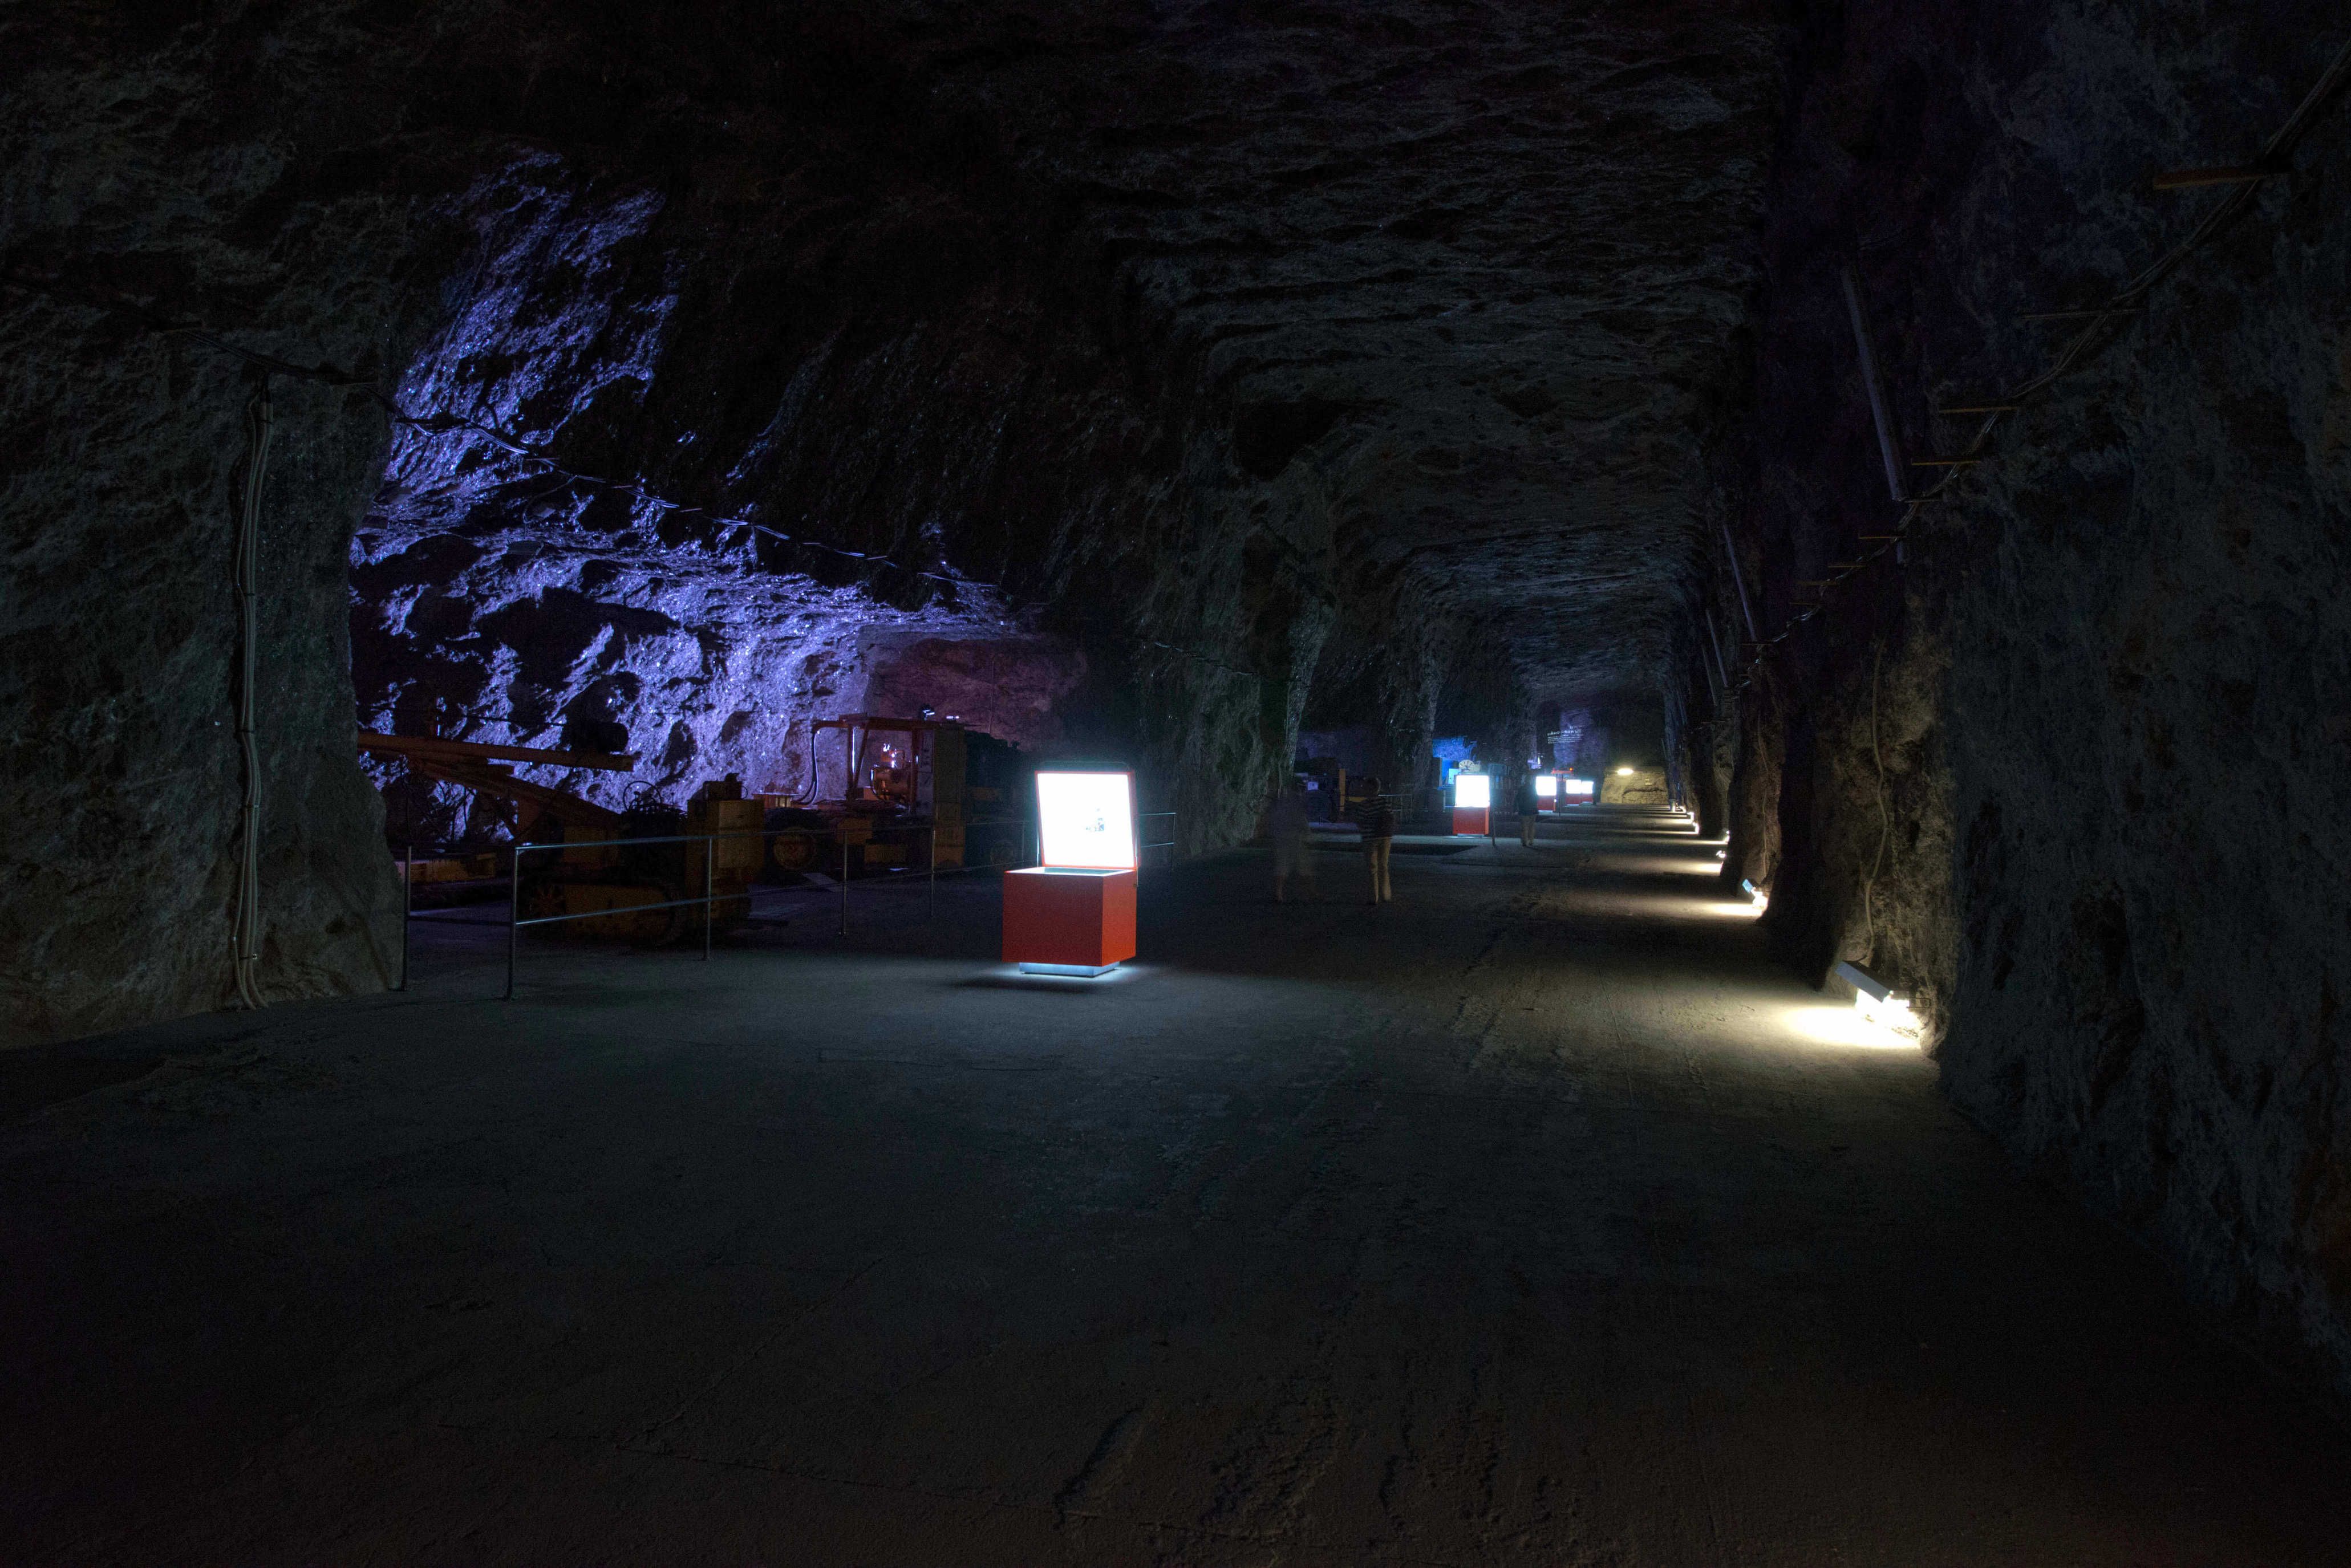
499	597
493	600
1220	367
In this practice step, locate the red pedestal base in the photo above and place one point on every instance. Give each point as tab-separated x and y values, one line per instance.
1078	922
1470	821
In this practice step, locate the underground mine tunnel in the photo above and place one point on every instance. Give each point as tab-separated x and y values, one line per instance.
706	705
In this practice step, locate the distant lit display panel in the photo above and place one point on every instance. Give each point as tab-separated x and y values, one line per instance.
1473	791
1086	821
1576	789
1546	787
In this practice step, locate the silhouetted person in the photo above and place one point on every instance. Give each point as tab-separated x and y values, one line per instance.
1528	806
1377	817
1293	847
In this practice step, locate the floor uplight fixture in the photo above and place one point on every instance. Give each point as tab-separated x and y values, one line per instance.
1876	1000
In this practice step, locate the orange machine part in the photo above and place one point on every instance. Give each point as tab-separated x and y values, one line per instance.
1470	821
1082	917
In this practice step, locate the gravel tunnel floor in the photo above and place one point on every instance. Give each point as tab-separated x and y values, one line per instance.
1535	1219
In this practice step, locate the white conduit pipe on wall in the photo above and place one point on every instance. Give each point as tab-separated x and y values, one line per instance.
1889	444
246	934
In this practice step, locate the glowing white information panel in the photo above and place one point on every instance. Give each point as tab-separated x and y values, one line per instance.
1475	791
1547	787
1576	786
1087	820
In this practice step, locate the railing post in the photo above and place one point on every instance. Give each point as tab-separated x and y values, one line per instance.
407	905
709	859
514	915
931	907
844	886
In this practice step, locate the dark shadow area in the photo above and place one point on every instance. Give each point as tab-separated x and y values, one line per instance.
1535	1218
46	1074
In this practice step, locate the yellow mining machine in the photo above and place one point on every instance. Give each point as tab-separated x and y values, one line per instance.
910	787
592	874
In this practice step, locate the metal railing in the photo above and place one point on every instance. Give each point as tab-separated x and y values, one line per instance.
408	855
1037	856
514	857
1168	843
711	898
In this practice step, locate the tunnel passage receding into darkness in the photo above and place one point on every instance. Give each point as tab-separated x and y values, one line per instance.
827	345
1915	444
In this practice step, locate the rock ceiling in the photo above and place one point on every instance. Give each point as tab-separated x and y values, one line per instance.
1482	266
1465	279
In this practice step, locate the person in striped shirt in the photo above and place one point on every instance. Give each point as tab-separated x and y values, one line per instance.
1377	816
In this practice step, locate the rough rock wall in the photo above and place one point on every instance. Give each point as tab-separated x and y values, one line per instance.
2071	768
728	252
494	599
120	167
1394	665
1713	761
937	367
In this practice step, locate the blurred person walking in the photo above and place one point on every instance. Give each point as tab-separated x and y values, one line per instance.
1293	845
1530	804
1377	817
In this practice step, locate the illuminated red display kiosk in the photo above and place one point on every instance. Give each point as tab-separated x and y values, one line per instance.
1074	914
1546	794
1473	805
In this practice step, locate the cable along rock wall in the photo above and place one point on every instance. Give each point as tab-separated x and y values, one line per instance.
1134	369
494	597
2098	700
889	353
735	486
122	171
